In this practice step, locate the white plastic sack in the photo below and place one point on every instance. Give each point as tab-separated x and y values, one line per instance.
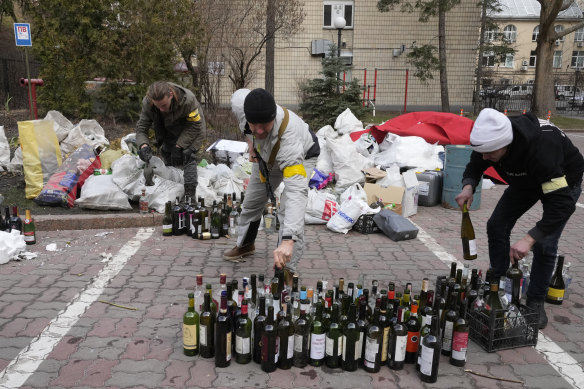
327	132
126	170
347	216
320	207
61	124
16	161
167	172
206	192
347	162
355	191
86	132
228	186
367	145
4	150
128	143
11	244
157	195
347	123
412	151
393	177
237	100
324	163
100	192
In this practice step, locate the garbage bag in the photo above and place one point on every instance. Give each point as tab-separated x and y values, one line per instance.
347	215
395	226
347	123
85	132
347	162
4	150
355	191
320	207
61	124
100	192
11	244
367	145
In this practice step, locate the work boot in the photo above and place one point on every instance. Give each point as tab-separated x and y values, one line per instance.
239	252
538	306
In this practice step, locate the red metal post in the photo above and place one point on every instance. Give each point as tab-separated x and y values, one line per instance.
368	90
34	82
375	85
364	85
406	92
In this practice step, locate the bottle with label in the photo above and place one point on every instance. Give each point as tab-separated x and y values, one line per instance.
493	304
167	220
334	340
204	216
469	246
223	332
270	344
450	316
207	328
430	353
196	229
286	340
15	220
269	221
373	344
29	229
143	203
215	222
301	339
384	326
425	325
460	338
199	294
472	291
555	294
317	338
177	218
413	325
233	222
258	327
350	345
362	324
189	216
214	302
190	329
513	284
398	342
243	336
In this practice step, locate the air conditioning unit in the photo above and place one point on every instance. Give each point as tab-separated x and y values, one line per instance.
525	62
580	44
524	68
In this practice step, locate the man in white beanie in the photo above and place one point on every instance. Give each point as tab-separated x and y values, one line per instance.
539	164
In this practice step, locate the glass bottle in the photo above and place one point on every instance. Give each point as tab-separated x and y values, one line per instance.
301	340
205	224
214	302
460	338
513	284
258	327
177	218
243	336
207	328
223	332
29	229
467	234
233	223
350	345
15	220
143	204
450	316
270	352
430	353
373	344
423	295
199	294
334	340
190	329
317	338
215	222
362	324
413	326
526	278
269	221
286	339
557	288
189	212
398	342
195	224
384	327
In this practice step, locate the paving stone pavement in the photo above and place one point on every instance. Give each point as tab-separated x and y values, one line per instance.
114	347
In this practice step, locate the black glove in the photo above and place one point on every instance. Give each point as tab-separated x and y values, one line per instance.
145	153
176	156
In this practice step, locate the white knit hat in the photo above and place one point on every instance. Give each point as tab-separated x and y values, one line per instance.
491	131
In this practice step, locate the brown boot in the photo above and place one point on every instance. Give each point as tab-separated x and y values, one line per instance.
239	252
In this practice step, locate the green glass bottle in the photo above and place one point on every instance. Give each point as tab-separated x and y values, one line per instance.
190	329
270	352
258	327
362	324
243	336
373	344
301	339
317	338
460	338
167	220
351	347
223	333
334	340
557	288
398	342
286	337
207	328
430	353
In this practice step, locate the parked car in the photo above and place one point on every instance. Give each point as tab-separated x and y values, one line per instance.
567	92
517	92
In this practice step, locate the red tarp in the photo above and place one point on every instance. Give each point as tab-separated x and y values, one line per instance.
435	127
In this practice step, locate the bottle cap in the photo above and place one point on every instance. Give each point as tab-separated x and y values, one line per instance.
223	278
199	279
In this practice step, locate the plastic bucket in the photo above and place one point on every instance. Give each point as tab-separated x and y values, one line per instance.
455	160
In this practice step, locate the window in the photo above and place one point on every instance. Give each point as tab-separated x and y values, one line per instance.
557	59
491	35
489	59
535	34
531	81
577	59
579	35
559	29
332	9
532	58
510	33
509	61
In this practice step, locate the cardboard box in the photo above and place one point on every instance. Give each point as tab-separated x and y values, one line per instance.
405	199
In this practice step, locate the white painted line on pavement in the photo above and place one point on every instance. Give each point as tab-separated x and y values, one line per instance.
580	205
560	360
30	358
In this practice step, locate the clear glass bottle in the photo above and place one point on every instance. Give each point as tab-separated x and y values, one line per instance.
143	202
270	221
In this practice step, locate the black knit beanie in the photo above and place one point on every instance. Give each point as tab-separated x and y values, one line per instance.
259	106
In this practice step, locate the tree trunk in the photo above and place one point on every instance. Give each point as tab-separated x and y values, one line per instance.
270	45
442	56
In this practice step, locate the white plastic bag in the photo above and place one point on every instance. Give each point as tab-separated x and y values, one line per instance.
11	244
4	150
228	186
126	170
347	162
393	177
128	143
61	124
100	192
320	207
355	191
324	163
347	123
367	145
411	151
167	172
347	216
86	132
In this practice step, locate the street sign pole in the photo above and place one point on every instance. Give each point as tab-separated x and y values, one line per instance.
29	84
23	38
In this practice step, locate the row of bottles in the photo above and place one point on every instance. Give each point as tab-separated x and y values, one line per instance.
200	222
13	222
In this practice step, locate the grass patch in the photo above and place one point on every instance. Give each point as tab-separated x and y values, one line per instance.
568	123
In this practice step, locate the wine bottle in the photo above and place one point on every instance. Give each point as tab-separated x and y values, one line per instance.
215	222
167	220
286	339
362	324
190	329
450	316
178	218
207	328
6	225
430	353
15	220
351	347
243	336
472	292
557	288
270	342
258	327
423	295
469	246
413	326
425	326
398	342
223	335
373	344
301	339
199	294
384	327
334	340
189	213
317	338
460	338
513	284
29	229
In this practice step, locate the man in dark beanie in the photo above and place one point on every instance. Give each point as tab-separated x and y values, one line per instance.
281	142
540	163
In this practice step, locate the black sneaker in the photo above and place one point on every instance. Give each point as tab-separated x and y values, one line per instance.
538	306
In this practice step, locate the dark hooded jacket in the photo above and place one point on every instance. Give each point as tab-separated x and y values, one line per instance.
542	159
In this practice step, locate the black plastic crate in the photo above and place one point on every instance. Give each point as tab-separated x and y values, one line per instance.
501	331
366	225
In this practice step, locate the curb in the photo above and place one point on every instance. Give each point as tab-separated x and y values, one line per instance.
96	222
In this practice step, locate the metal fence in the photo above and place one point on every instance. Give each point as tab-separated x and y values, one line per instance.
12	95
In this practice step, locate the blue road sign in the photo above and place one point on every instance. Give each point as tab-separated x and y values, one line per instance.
22	34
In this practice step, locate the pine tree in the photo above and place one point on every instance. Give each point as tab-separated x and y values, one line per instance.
323	99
